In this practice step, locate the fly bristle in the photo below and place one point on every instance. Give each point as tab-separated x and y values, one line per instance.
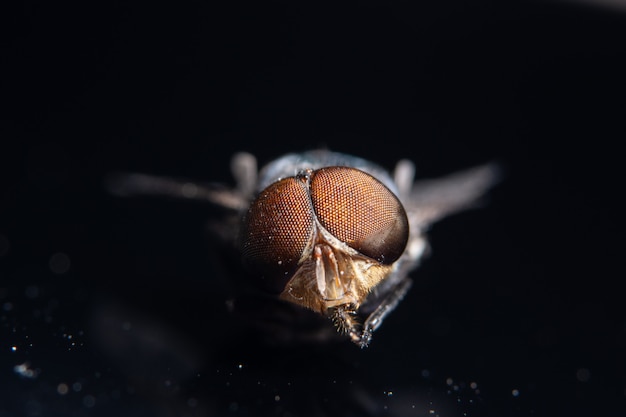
344	319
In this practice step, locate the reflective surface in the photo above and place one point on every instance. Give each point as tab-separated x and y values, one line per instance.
112	307
323	234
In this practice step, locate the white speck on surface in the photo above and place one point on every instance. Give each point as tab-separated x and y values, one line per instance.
62	388
515	393
25	371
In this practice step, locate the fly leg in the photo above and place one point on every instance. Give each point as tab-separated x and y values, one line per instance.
387	305
344	316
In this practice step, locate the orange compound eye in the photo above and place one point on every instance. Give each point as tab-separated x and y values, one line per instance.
360	211
276	230
350	204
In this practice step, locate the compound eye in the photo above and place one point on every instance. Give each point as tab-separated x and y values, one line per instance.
276	230
361	212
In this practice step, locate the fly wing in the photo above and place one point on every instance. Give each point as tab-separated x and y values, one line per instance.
243	167
232	201
126	184
426	202
432	200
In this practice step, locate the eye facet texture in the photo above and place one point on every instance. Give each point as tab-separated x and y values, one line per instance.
277	228
353	206
361	212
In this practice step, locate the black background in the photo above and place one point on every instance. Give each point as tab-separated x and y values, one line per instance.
519	312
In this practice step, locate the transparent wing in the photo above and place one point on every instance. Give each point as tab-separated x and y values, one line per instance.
432	200
426	202
243	167
126	184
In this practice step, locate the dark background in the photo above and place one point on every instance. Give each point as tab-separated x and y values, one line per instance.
114	306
